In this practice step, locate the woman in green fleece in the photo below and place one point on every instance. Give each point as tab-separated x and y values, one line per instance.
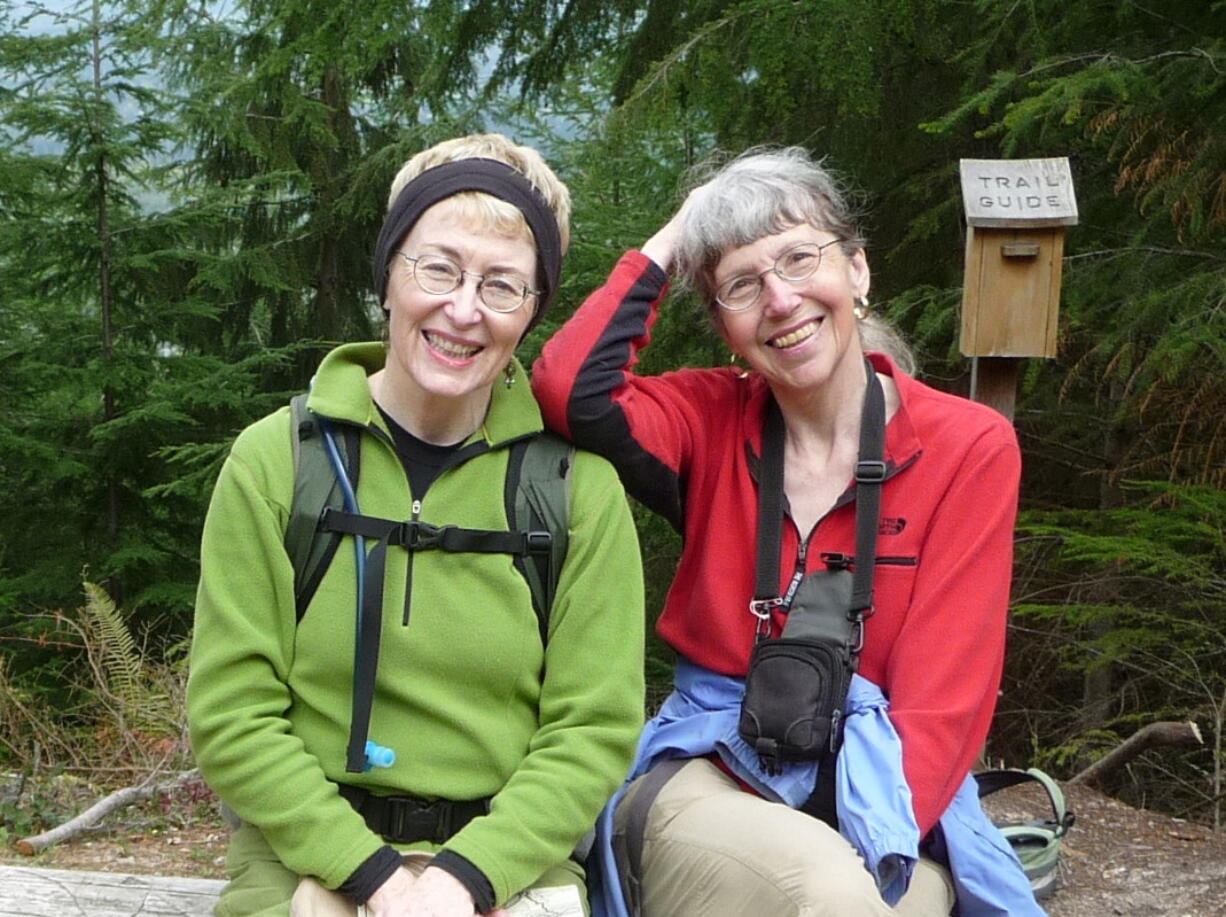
506	741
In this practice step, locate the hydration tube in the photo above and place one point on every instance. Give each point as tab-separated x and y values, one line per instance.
376	755
351	504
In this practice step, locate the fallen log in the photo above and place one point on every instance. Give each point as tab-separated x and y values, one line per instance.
29	846
27	892
1163	733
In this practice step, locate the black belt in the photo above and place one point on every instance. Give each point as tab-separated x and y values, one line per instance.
409	819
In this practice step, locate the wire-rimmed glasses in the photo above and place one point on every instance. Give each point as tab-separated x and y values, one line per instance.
800	262
438	274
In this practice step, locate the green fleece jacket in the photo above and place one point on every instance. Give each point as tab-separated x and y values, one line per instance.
466	694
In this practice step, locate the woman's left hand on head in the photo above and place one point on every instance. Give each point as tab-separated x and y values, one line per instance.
662	247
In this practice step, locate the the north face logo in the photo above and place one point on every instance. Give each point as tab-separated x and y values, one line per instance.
892	525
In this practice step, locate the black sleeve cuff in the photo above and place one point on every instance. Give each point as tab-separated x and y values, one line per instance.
659	274
469	876
373	872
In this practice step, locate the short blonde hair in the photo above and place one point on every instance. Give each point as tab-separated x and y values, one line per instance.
487	210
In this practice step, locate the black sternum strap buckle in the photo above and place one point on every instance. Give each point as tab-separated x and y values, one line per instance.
409	819
538	542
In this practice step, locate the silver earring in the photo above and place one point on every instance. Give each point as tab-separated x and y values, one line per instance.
860	310
508	374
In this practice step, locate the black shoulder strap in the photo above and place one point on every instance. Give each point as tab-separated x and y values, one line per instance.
870	474
628	847
766	596
537	498
989	782
315	489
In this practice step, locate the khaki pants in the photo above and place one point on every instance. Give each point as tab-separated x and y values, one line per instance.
712	850
261	886
313	900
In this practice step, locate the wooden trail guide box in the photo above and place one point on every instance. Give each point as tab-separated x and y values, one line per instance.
1016	211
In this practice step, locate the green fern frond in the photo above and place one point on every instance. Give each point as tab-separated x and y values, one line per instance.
119	660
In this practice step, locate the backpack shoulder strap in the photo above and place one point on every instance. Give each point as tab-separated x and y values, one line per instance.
628	842
537	497
315	489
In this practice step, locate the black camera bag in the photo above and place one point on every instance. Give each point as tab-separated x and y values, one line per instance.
797	683
796	686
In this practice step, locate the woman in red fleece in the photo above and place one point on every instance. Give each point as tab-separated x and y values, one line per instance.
773	248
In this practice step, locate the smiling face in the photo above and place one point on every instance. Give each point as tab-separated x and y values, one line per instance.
446	349
800	336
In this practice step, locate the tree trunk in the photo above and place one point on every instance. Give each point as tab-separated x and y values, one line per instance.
105	292
1097	692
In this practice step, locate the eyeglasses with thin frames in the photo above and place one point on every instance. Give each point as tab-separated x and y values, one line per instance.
800	262
438	274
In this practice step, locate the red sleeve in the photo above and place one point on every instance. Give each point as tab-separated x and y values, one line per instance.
943	682
588	392
614	323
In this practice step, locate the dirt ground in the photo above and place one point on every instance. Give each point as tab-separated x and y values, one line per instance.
193	851
1117	860
179	833
197	851
1120	860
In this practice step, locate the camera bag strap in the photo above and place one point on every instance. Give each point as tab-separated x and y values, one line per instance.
870	473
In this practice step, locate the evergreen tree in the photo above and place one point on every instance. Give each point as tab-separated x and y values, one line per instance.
1137	97
298	115
848	81
105	346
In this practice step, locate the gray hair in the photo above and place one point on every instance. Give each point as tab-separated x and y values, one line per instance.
761	192
879	335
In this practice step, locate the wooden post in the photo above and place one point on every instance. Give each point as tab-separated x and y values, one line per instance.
994	382
1016	211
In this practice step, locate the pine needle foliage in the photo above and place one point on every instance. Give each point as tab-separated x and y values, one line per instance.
1137	592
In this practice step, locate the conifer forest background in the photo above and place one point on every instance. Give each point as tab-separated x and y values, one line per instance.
190	191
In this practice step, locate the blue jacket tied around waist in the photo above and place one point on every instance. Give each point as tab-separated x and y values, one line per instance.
875	813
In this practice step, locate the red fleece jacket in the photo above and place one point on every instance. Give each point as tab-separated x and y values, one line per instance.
687	443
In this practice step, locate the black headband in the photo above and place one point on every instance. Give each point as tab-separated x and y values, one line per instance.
476	174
